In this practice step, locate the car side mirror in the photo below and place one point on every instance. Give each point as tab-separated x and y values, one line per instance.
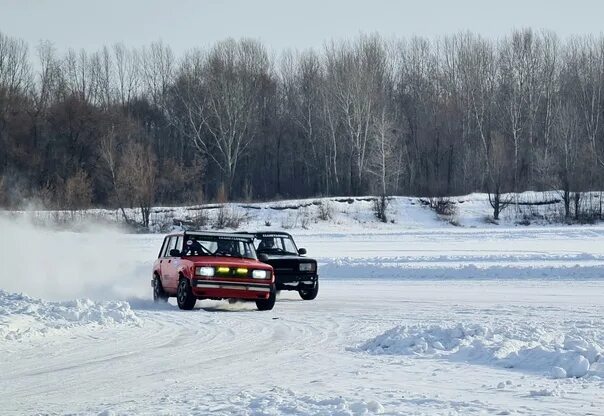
263	257
175	252
301	251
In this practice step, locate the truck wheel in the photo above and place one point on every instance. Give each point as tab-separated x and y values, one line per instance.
184	295
159	295
267	304
310	294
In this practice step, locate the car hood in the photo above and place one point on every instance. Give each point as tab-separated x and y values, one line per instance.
273	257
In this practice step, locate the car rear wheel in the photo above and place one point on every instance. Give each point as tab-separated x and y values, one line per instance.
184	295
159	295
309	294
267	304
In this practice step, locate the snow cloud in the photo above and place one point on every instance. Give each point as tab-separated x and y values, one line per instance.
61	265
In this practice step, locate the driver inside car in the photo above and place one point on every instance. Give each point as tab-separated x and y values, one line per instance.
193	248
267	244
226	247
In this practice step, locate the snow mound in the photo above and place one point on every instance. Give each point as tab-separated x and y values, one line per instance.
21	315
526	348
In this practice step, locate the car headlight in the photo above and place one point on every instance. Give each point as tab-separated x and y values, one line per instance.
260	274
204	271
307	267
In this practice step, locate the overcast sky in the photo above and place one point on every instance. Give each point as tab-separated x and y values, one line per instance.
281	24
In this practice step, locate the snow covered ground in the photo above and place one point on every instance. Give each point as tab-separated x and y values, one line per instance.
425	318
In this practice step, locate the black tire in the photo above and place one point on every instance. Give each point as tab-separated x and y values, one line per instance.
184	295
267	304
159	295
310	294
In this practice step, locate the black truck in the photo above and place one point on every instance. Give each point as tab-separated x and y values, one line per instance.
292	270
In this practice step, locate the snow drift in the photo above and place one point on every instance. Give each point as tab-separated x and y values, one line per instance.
21	315
527	348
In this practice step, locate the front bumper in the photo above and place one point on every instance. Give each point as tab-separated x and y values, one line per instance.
296	282
223	289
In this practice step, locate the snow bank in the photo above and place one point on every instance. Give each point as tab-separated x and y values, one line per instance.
21	315
525	348
505	268
338	213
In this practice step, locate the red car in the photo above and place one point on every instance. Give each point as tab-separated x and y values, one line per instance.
210	265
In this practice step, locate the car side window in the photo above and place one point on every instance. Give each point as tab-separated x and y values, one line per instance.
288	245
178	243
167	247
162	251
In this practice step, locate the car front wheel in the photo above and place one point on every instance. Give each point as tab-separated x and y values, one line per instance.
267	304
309	294
184	295
159	295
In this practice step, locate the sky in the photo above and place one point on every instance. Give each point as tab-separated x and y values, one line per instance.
281	24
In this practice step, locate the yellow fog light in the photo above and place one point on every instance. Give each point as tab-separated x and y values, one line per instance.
223	269
241	270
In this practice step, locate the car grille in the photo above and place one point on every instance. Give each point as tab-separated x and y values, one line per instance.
287	267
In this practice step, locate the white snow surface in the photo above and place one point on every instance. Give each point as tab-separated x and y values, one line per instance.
414	318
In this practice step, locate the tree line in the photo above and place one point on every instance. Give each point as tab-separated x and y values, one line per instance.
134	127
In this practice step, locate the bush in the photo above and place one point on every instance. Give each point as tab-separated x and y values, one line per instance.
200	219
228	218
304	218
443	206
379	208
78	191
325	211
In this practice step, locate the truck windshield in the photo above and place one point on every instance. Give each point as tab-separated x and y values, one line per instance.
201	245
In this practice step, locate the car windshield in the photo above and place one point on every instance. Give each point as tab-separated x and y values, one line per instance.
275	244
212	245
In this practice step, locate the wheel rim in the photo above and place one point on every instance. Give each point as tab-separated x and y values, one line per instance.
156	289
181	292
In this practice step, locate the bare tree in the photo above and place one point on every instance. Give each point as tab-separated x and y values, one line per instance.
302	76
157	65
500	175
136	176
220	94
569	152
356	75
127	63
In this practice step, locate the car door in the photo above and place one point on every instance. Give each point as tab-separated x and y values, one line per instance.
166	263
163	262
170	264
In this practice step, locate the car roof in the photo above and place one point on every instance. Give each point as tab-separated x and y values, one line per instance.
269	233
214	234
